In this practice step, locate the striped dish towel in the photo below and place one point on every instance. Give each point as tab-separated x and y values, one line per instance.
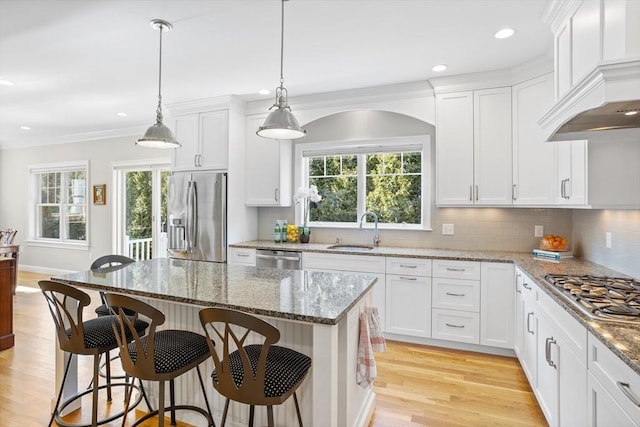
378	342
366	363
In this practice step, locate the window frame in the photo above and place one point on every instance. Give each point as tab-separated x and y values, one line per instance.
421	143
34	172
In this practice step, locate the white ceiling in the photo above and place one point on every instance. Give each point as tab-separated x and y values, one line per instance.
76	63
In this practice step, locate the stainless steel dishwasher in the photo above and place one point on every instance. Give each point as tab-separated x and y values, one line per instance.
286	260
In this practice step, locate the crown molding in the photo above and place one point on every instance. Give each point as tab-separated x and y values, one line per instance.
225	102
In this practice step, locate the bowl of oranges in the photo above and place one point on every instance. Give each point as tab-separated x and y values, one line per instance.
553	243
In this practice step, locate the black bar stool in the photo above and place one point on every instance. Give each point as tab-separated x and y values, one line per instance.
160	355
91	337
255	374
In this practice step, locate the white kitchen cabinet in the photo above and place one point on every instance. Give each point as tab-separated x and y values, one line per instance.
362	264
496	304
269	173
518	335
456	294
530	342
408	296
205	141
243	256
455	325
571	173
534	159
547	359
473	147
613	389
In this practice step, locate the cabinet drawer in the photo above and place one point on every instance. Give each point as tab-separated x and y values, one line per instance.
618	379
456	269
245	256
456	294
455	325
410	266
354	263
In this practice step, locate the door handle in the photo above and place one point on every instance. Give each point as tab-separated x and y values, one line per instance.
408	278
275	194
454	326
408	266
526	286
625	388
547	352
455	295
477	193
529	323
513	192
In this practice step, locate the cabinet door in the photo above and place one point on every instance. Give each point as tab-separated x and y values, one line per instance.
492	146
602	409
269	169
214	140
571	183
186	132
547	385
533	159
519	316
496	310
572	379
454	148
529	342
408	302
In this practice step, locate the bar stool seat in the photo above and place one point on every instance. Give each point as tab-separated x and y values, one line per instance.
91	337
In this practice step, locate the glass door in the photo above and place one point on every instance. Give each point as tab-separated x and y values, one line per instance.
141	212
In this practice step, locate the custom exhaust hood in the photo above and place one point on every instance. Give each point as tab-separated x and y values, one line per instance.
601	105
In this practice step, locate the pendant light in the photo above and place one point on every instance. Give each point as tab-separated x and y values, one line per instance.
281	123
158	135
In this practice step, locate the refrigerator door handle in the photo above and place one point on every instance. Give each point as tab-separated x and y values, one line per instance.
191	217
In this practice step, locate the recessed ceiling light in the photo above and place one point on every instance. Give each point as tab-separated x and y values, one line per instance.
504	33
264	91
440	67
4	82
631	113
121	114
25	128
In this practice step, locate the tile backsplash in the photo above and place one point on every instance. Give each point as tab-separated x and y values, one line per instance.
589	229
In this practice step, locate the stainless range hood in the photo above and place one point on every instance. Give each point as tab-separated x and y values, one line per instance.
597	106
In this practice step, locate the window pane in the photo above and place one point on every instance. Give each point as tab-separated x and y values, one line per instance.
339	199
49	218
333	165
76	222
412	163
76	188
316	166
139	215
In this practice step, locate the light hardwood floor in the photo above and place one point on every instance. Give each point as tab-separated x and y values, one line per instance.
416	385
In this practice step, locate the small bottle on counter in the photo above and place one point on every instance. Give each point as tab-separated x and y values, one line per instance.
283	231
277	232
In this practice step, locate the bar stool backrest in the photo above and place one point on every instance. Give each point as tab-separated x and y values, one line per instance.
231	328
110	261
144	365
66	305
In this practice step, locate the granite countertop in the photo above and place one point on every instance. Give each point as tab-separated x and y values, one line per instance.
315	297
622	338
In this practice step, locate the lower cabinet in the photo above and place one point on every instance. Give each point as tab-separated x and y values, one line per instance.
496	304
455	325
408	305
243	256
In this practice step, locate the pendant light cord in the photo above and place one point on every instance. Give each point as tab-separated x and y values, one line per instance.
159	109
282	45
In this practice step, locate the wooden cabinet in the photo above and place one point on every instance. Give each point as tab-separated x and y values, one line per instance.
408	296
269	173
8	272
613	389
571	173
496	304
534	160
205	141
473	147
368	265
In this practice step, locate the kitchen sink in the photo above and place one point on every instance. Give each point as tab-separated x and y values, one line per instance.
353	248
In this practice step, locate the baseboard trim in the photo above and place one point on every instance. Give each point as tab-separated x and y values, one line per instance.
43	270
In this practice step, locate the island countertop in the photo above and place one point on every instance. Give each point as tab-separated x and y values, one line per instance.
308	296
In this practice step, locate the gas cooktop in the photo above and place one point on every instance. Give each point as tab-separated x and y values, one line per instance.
605	298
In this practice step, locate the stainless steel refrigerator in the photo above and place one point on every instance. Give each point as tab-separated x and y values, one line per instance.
197	216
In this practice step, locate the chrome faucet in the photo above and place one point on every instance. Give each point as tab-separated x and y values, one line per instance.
376	237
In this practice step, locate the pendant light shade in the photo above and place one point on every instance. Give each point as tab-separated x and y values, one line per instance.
281	123
158	135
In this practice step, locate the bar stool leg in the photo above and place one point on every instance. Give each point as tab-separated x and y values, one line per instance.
64	380
161	405
172	400
96	389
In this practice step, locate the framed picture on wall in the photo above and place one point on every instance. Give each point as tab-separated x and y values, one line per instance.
100	194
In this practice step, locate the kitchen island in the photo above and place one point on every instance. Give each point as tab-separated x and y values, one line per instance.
317	314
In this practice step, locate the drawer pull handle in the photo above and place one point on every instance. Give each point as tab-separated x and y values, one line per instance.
455	295
408	278
625	388
547	352
454	326
455	269
526	286
408	266
528	323
243	255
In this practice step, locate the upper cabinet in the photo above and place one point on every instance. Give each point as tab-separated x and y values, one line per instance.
473	146
205	141
269	174
571	176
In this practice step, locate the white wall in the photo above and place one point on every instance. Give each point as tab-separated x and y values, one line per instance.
14	196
